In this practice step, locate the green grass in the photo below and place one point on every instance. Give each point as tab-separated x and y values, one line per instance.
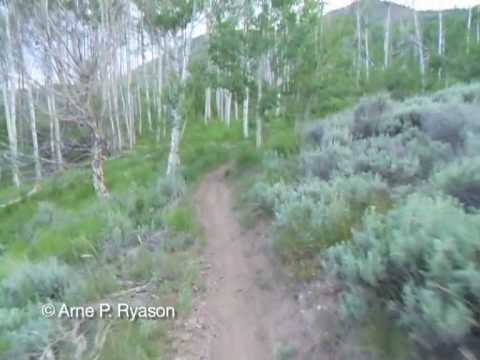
136	340
380	336
180	220
71	192
205	147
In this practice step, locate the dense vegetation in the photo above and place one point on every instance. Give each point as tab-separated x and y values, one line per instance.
385	198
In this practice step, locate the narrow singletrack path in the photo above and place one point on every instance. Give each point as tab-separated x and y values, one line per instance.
236	304
247	311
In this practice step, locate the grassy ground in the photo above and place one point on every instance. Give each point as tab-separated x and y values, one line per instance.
22	236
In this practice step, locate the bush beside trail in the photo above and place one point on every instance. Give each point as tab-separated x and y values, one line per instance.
386	200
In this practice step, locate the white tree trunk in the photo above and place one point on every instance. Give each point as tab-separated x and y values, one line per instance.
228	107
235	105
208	105
130	117
11	132
218	103
58	139
124	112
367	55
469	28
160	90
9	99
278	108
246	105
98	159
440	34
149	107
359	43
111	115
116	114
258	122
128	95
386	43
55	139
419	41
174	157
52	131
478	28
140	112
440	41
173	161
55	144
33	127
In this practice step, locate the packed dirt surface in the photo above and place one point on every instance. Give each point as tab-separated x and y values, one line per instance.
246	311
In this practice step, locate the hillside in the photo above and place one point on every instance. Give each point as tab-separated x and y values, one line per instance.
376	11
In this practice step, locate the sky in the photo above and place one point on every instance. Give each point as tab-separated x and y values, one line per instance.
419	4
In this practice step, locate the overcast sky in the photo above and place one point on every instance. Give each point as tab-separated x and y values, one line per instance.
419	4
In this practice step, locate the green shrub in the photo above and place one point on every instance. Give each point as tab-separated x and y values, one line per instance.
326	161
47	216
264	196
472	144
315	215
462	181
278	168
119	227
467	93
44	281
402	143
408	158
23	333
96	282
419	262
141	264
368	115
169	188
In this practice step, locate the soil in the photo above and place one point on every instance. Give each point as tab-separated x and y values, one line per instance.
248	311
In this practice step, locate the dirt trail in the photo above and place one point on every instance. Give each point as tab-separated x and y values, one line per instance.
245	312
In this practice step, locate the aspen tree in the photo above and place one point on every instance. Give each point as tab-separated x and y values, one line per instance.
33	127
55	137
258	121
440	43
419	46
367	52
359	42
386	43
469	28
186	34
9	101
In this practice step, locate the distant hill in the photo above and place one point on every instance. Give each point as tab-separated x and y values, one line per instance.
376	11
